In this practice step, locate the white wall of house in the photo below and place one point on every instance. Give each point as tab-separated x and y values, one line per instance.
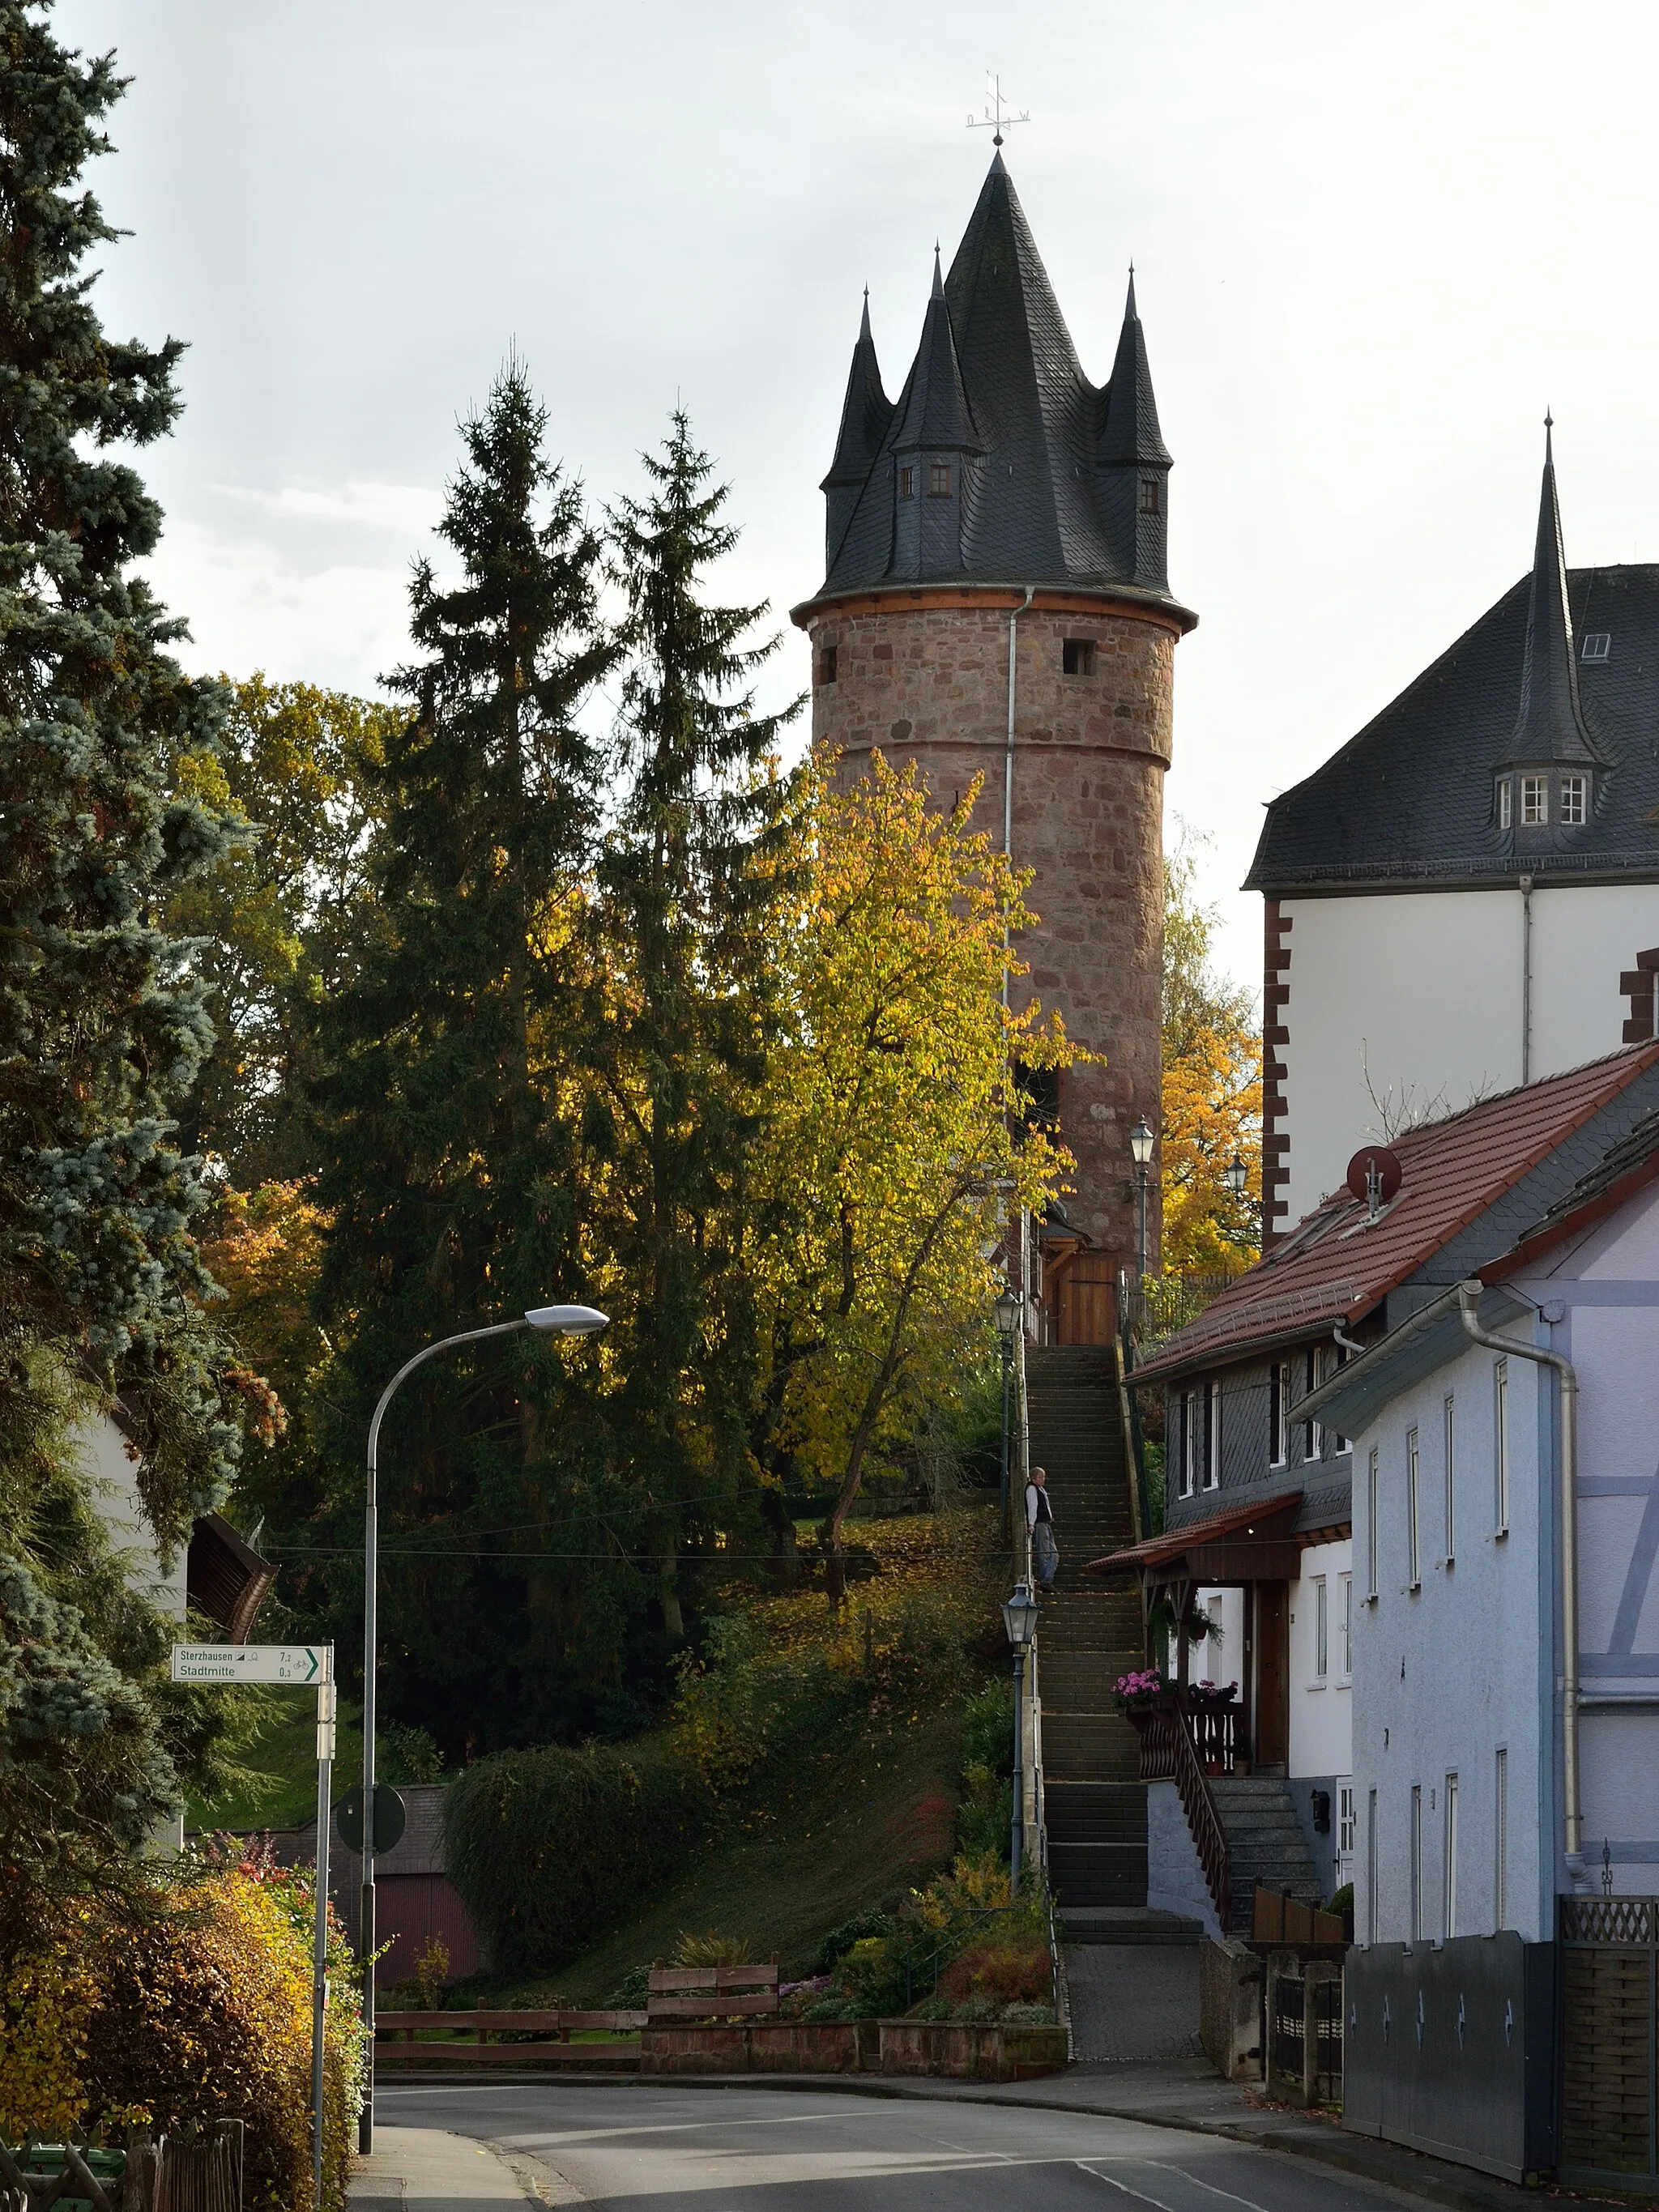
1322	1697
1363	1030
112	1478
1453	1664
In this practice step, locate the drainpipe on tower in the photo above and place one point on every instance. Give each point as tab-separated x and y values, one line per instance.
1008	758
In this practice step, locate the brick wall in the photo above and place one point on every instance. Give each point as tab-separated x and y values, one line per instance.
923	676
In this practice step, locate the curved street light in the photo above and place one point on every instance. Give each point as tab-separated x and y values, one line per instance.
549	1320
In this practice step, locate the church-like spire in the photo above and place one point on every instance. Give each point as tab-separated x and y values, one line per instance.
1133	461
866	413
936	416
1550	725
1130	431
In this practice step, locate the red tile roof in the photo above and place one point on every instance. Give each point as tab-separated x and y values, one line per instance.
1332	1267
1153	1551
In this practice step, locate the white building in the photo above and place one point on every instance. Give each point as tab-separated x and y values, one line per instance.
1466	896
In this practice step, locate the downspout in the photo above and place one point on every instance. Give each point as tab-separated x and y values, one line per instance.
1526	979
1468	1299
1008	757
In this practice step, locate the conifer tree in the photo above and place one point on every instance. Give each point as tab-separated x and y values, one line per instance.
102	1025
446	1141
689	886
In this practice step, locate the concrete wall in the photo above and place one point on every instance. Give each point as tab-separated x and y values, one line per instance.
1360	1022
1321	1719
1174	1875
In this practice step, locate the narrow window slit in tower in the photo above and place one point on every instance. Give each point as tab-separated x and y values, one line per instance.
1077	657
827	664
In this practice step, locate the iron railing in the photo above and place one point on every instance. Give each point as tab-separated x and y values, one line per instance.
1153	1306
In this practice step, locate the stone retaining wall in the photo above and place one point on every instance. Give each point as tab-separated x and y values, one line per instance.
962	2050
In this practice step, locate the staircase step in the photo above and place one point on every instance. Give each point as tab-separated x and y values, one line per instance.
1119	1924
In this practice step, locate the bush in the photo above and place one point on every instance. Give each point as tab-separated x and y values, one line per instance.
711	1948
841	1940
1000	1972
551	1849
194	2006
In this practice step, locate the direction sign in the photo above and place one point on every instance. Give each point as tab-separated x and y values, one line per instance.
299	1665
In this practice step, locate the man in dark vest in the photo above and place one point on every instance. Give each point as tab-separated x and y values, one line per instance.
1040	1519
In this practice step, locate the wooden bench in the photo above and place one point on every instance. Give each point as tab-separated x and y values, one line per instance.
726	1992
551	2032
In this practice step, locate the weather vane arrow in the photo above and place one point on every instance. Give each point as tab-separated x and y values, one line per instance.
996	117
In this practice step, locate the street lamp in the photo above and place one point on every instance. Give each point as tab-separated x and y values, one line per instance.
1234	1176
550	1320
1140	1146
1005	1308
1019	1614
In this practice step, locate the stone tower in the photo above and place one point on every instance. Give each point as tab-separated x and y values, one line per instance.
996	603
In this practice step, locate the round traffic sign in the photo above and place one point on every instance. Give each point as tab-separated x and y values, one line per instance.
391	1817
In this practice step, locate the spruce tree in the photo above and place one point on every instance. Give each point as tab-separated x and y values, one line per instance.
689	886
447	1138
102	1024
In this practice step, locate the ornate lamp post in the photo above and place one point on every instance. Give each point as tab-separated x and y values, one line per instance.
1019	1614
1141	1141
1235	1176
550	1320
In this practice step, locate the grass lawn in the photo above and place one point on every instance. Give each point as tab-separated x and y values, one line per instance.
287	1752
850	1828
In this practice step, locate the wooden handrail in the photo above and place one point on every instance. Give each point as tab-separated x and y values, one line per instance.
1168	1754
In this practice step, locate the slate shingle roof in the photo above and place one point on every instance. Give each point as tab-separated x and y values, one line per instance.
1335	1267
1411	799
1049	459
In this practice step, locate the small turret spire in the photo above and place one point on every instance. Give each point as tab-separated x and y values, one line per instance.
1550	724
865	414
938	274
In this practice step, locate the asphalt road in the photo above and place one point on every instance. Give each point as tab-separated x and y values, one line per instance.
662	2149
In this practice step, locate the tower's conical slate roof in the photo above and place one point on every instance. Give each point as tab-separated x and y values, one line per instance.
997	378
1550	726
1132	433
865	414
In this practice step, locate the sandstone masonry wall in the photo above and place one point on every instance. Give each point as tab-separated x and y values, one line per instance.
928	682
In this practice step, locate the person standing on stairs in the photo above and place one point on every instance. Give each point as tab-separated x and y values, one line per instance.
1040	1519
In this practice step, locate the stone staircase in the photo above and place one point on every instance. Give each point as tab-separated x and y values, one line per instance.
1089	1634
1264	1842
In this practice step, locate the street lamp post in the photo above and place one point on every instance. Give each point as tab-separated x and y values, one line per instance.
1140	1146
1019	1618
1006	1310
551	1321
1235	1176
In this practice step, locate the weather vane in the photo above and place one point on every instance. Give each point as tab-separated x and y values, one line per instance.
996	117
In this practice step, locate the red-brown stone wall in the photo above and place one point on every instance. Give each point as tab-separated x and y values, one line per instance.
929	682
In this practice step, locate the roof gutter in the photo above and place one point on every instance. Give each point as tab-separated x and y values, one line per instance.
1375	1356
1468	1298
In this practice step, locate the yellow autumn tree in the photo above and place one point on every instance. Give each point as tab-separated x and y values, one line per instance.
1212	1094
895	1154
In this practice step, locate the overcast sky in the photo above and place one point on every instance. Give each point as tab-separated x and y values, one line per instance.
1371	245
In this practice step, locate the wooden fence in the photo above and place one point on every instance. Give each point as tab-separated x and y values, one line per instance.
674	1993
199	2171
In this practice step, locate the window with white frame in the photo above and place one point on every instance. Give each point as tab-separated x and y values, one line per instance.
1348	1823
1315	1435
1413	1528
1373	1526
1345	1628
1534	801
1278	1414
1449	1873
1373	1859
1416	1863
1188	1440
1572	801
1505	803
1500	1830
1212	1438
1451	1483
1500	1452
1322	1631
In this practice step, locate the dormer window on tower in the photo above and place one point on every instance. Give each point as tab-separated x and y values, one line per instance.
1534	801
939	480
1150	499
1572	802
1505	802
907	482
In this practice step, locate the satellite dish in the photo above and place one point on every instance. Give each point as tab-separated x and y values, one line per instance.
1375	1173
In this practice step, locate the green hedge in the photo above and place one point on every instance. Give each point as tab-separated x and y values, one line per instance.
551	1849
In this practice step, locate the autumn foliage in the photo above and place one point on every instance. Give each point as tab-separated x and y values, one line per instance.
1211	1095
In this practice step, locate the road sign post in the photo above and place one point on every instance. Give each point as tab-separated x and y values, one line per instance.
298	1667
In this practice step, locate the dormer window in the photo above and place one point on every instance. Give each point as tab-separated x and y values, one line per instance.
1077	657
907	482
1572	802
1505	802
1150	501
1598	644
939	480
1534	801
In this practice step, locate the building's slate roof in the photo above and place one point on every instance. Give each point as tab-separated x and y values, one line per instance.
1411	801
866	413
1470	1185
1043	501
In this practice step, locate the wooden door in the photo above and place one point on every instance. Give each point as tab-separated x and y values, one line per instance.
1086	1300
1273	1677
